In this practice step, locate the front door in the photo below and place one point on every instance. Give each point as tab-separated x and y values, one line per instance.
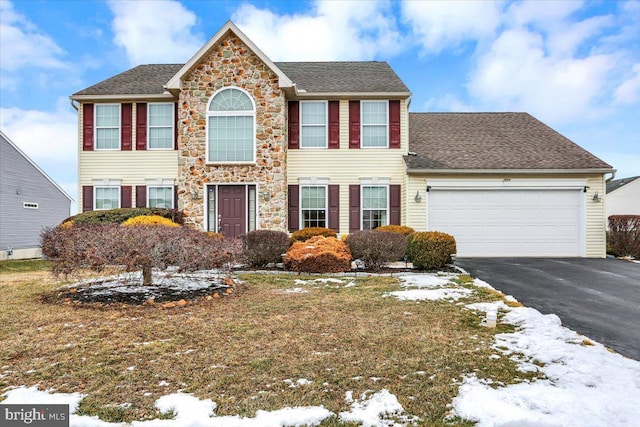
232	210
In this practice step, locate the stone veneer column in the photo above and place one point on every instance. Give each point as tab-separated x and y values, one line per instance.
232	63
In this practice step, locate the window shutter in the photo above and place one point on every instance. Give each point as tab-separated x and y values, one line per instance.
125	128
394	124
334	124
294	125
175	127
125	196
354	208
294	204
87	198
175	197
394	204
141	196
87	128
354	124
141	126
334	207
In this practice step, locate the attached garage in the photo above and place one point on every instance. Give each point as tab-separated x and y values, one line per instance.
514	221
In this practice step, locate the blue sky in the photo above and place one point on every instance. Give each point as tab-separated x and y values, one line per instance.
574	65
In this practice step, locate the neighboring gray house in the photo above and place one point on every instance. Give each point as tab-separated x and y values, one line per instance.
623	196
29	201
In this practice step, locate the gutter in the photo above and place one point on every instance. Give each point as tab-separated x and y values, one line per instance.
114	97
613	175
510	171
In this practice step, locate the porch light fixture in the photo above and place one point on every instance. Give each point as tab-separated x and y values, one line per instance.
418	197
596	198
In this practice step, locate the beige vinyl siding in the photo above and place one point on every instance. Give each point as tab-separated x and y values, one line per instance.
345	166
594	212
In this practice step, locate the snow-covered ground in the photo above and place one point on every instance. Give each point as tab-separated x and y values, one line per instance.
585	385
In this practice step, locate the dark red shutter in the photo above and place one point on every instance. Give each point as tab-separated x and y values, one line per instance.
334	207
294	125
87	128
394	204
354	124
125	128
175	127
294	204
125	196
141	126
334	124
175	197
141	196
354	208
394	124
87	198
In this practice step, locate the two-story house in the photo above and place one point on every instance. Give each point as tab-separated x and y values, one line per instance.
241	143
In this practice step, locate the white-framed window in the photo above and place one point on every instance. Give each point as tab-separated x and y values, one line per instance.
107	124
375	206
375	124
313	206
313	124
107	197
160	197
231	127
160	123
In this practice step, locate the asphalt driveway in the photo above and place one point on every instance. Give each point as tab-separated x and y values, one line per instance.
599	298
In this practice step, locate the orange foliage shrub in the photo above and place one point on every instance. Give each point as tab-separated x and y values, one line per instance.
309	232
213	235
400	229
319	255
149	220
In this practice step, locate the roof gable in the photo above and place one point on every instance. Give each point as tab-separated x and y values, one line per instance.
175	83
619	183
492	141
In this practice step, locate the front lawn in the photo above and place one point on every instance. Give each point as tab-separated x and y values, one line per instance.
248	350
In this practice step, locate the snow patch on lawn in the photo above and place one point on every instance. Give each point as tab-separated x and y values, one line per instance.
379	410
418	287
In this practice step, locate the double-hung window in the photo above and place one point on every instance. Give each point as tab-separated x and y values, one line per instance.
107	197
107	120
375	124
313	124
160	197
313	206
375	206
160	123
231	134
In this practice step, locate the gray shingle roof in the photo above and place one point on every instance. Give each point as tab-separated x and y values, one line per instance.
141	80
327	77
617	183
491	141
344	77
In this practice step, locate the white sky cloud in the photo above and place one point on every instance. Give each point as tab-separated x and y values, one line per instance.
629	91
330	31
440	25
155	31
22	42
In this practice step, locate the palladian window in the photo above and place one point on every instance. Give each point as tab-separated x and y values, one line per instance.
231	119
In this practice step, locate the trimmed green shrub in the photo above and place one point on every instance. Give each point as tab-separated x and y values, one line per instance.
376	248
307	233
319	255
430	250
118	216
401	229
623	237
263	247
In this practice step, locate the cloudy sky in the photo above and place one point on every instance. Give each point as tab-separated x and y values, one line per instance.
574	65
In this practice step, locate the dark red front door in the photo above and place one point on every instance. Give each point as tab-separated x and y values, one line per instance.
232	210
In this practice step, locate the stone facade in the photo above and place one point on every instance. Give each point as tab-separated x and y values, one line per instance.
232	63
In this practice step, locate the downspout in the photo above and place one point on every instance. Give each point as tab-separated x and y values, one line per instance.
613	175
75	107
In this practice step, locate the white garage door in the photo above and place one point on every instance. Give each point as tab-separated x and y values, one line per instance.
509	222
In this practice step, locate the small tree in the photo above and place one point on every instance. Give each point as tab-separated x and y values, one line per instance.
139	248
623	237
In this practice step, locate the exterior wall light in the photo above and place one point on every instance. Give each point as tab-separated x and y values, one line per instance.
418	197
596	198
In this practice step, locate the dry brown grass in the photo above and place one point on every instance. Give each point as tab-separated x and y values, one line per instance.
239	349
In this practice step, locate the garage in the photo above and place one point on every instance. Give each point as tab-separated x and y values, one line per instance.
510	222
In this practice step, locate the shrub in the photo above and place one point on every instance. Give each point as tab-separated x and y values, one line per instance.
375	248
213	235
430	250
262	247
97	246
318	255
118	216
623	237
307	233
401	229
156	220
